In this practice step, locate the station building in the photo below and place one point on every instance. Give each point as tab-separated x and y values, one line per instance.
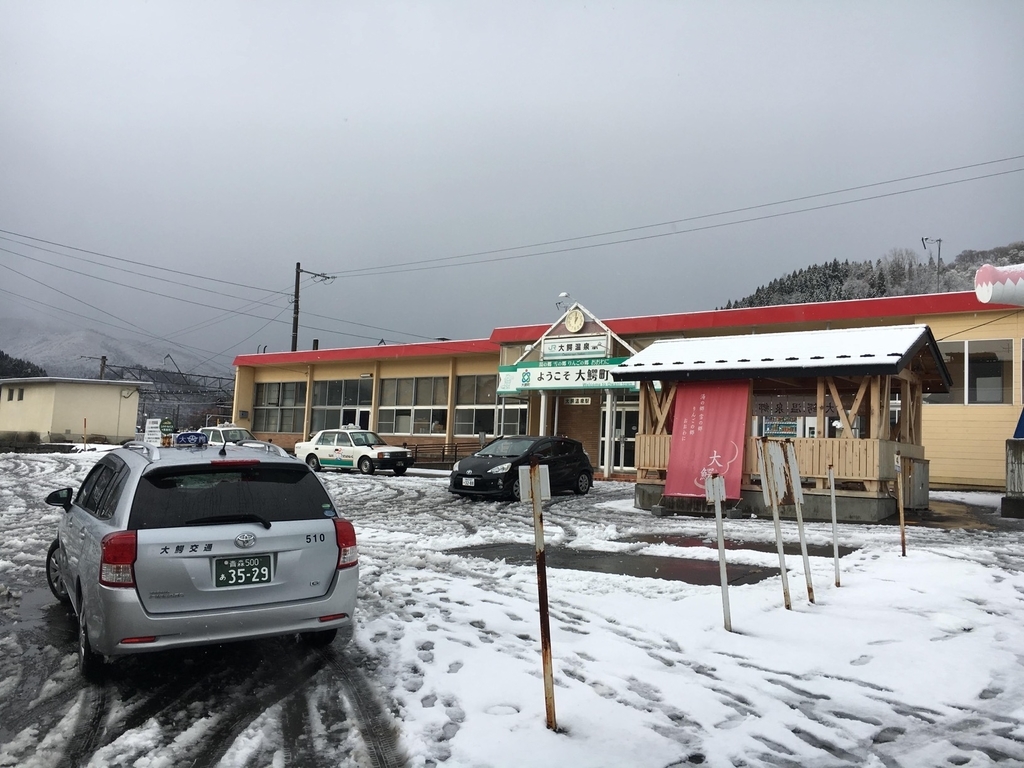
557	378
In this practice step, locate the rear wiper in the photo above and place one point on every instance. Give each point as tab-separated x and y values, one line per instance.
218	519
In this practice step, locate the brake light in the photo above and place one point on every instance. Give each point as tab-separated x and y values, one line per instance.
235	462
348	554
117	560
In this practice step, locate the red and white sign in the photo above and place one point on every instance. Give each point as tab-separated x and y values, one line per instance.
708	430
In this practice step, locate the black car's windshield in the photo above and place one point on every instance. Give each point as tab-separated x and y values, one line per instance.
366	438
507	447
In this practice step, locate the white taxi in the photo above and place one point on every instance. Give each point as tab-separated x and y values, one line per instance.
352	448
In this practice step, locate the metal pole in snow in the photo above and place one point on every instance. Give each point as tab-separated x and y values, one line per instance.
715	489
793	480
899	494
542	593
769	488
835	528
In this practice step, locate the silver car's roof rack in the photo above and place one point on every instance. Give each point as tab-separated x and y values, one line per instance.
265	445
151	451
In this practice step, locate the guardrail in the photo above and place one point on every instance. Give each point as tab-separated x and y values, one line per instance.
440	455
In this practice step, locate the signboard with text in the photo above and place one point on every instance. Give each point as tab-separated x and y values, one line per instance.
575	347
561	374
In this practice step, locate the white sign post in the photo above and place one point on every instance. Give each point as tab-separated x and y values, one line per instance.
152	433
715	489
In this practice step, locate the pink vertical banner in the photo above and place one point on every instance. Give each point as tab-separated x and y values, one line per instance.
709	426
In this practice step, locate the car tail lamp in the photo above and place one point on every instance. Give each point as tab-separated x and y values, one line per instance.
348	554
118	551
235	462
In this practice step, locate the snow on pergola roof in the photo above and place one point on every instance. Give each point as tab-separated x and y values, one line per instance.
884	351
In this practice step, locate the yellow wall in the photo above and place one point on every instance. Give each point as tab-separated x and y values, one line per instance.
63	410
103	408
32	414
966	444
244	391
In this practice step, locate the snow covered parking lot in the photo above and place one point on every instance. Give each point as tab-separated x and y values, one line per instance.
913	662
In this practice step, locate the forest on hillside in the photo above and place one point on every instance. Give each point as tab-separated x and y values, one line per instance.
900	272
15	368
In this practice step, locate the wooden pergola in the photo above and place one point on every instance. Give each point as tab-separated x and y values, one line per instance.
846	373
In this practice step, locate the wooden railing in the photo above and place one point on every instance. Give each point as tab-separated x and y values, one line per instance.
851	458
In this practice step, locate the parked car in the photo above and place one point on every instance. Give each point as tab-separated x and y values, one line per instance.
198	544
226	433
493	471
353	448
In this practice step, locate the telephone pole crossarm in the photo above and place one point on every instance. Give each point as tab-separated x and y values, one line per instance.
318	277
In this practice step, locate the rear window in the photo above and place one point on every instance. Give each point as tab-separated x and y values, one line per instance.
177	496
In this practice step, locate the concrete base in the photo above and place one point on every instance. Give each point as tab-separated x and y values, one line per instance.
850	508
1012	506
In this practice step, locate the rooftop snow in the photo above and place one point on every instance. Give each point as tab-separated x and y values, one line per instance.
852	351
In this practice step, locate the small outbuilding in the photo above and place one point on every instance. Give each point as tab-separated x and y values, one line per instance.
68	410
857	391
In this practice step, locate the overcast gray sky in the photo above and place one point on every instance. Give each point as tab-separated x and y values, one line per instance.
231	140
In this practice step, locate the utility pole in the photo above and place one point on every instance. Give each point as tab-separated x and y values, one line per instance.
317	277
938	264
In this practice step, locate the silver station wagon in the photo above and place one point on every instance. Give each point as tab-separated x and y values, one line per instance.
195	544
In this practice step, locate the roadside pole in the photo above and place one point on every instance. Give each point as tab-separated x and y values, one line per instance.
899	494
835	527
796	491
715	489
770	483
535	477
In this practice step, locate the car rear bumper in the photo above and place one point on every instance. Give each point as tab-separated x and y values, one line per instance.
117	614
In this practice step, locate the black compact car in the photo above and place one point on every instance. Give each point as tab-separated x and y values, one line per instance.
493	471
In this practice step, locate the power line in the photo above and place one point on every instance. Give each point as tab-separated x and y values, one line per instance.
129	261
437	262
389	270
125	285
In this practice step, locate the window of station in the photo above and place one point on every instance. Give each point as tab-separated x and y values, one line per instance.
513	413
475	401
982	372
279	407
414	406
340	402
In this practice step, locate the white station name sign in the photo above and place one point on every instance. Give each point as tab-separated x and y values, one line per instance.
574	347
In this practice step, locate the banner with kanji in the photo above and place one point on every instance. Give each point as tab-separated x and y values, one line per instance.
709	425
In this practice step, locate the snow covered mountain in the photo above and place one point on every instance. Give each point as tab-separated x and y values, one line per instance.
68	351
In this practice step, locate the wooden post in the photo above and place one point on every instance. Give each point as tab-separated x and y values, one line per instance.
795	490
542	592
772	478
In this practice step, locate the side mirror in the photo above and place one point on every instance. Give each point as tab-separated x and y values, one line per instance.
61	498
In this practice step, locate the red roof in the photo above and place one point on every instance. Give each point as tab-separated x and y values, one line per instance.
903	308
380	352
888	307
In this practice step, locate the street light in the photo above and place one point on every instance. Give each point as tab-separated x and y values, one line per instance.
938	263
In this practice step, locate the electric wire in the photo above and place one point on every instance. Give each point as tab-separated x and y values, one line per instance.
390	270
699	217
435	262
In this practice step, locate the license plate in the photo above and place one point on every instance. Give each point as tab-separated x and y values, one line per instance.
468	482
236	571
399	463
